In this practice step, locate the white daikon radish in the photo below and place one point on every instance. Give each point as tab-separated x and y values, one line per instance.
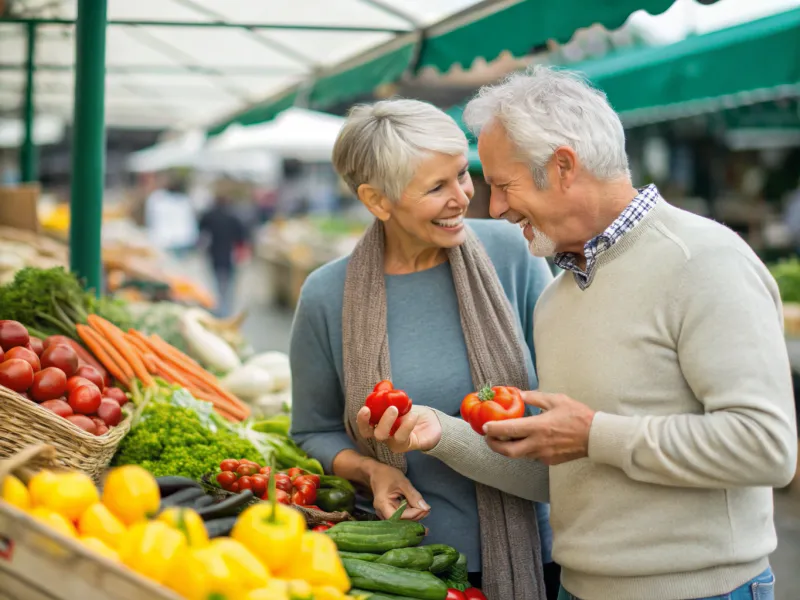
277	364
248	382
269	405
211	350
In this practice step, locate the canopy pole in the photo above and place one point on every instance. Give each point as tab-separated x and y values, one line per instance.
88	143
27	153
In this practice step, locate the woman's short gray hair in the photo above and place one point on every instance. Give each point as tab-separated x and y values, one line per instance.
547	108
381	144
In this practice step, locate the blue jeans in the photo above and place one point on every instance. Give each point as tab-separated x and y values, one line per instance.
760	588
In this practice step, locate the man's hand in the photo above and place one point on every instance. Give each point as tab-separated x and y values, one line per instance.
558	435
389	486
419	430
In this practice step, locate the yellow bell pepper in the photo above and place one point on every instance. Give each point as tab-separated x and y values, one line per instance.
188	522
327	592
151	548
318	563
244	565
99	522
203	573
131	493
69	494
272	532
54	520
282	589
100	547
15	493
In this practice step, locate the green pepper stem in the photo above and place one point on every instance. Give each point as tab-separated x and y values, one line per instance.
486	394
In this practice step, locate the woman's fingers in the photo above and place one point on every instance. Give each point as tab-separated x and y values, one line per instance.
403	439
413	497
384	427
362	421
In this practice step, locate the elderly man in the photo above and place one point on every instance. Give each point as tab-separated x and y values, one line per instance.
664	377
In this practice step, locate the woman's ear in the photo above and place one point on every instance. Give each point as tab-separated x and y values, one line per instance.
375	201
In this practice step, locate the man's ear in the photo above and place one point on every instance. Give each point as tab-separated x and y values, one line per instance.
376	203
566	163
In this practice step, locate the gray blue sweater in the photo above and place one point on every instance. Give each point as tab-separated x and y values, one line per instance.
429	361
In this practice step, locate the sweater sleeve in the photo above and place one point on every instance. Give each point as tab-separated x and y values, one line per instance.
727	321
460	450
317	397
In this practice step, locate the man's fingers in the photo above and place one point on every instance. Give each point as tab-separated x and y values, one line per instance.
508	429
362	421
539	399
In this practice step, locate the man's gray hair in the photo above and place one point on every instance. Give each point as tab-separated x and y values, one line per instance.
381	144
547	108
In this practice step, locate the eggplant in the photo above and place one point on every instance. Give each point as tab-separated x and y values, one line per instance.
227	508
203	501
185	497
171	484
220	527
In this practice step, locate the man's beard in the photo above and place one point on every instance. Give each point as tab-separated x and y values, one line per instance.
541	245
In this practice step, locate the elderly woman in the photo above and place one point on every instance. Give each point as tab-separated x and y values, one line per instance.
419	302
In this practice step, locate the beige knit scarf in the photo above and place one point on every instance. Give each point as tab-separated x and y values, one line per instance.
510	546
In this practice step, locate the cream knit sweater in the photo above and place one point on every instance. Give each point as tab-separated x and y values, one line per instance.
678	344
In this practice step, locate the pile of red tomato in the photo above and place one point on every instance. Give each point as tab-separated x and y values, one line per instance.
293	487
51	373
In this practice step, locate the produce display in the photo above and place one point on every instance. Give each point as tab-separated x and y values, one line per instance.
20	248
53	374
492	404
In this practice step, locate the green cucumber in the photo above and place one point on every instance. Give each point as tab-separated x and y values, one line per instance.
373	542
359	556
368	527
392	580
373	596
444	557
416	559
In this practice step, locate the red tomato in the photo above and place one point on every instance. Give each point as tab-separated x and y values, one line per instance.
492	404
299	498
2	355
314	478
229	464
306	480
234	487
83	422
246	469
283	482
321	528
61	356
259	484
110	412
474	594
93	375
308	490
16	374
382	397
265	471
102	428
453	594
226	479
245	483
13	334
28	356
116	394
60	407
281	496
75	382
85	399
294	472
48	384
36	345
244	461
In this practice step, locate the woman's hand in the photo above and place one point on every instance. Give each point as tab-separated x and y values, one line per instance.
389	485
419	430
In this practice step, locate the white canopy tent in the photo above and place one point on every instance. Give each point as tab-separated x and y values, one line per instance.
181	151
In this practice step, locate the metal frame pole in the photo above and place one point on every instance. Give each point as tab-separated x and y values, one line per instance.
89	141
27	152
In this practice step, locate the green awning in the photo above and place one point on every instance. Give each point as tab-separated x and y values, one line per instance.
482	31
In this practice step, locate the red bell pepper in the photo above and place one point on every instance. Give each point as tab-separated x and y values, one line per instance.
382	397
321	528
454	594
474	594
492	404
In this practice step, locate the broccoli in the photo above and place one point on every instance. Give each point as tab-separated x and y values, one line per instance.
171	440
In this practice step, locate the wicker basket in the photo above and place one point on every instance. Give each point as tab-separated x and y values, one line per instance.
313	517
39	563
24	423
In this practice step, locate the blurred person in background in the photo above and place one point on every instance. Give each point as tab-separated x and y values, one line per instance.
225	237
440	305
792	217
169	217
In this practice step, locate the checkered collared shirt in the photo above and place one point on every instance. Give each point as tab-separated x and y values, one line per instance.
627	220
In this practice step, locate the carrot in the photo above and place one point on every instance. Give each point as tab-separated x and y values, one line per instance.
167	370
106	354
143	351
115	336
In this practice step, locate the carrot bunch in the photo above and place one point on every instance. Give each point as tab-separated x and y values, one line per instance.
133	355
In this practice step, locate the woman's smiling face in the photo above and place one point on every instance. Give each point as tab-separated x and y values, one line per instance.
432	207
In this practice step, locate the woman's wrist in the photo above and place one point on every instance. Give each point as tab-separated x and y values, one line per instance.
355	467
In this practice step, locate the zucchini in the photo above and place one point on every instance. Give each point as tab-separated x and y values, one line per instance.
185	497
336	500
402	582
360	556
203	501
373	596
170	484
416	559
220	527
227	508
373	542
444	557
